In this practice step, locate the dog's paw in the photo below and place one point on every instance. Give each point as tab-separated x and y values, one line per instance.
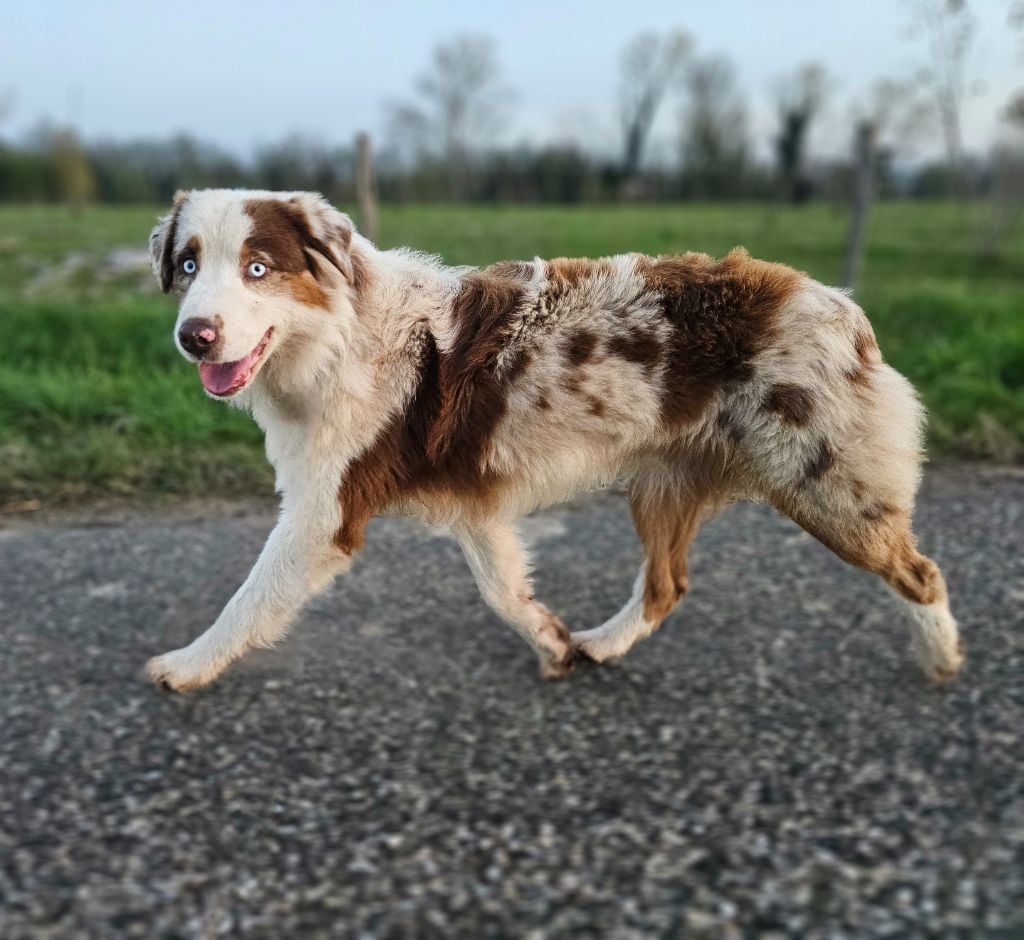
941	668
551	668
595	645
179	671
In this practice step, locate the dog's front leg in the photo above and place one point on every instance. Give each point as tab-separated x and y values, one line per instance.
498	562
296	562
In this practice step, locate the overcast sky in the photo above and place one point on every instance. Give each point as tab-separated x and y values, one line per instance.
242	72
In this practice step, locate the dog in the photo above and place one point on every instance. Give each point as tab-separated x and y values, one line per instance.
386	382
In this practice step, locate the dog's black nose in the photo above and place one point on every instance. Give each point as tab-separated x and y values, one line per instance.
197	336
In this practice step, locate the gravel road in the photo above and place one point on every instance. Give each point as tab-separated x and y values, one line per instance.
768	764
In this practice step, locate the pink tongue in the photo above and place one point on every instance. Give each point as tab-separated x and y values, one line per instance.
219	378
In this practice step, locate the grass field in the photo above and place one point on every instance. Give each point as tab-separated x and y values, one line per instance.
95	401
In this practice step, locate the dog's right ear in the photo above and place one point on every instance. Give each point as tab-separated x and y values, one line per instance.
161	243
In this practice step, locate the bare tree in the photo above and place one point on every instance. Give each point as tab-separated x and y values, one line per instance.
800	98
460	105
651	64
714	130
948	28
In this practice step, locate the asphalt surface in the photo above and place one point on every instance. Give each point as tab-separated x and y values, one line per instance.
768	764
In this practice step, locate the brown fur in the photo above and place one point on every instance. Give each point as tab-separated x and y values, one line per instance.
878	511
573	383
436	448
666	531
518	366
168	258
867	357
730	427
399	464
360	273
472	393
640	346
515	270
722	314
193	249
282	235
883	545
791	403
566	273
822	461
580	347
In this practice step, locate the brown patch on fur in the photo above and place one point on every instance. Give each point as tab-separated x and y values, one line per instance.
727	424
514	270
573	383
917	578
306	290
283	236
596	406
868	357
168	259
666	532
558	635
543	403
360	271
884	546
722	315
279	233
437	445
878	511
579	347
640	346
866	348
820	464
518	366
193	249
473	395
566	273
791	403
401	463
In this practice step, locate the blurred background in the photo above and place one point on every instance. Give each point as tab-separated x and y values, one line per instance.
879	146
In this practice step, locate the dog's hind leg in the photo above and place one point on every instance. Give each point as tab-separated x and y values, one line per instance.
499	564
876	536
667	524
850	479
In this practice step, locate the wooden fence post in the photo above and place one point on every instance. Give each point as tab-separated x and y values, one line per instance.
366	193
864	184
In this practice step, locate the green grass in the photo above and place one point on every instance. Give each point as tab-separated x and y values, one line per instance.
94	400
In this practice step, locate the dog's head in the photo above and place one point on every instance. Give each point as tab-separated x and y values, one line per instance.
251	270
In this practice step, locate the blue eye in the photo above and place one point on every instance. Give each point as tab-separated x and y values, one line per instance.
189	266
257	269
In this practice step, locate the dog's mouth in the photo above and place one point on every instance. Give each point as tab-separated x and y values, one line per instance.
225	378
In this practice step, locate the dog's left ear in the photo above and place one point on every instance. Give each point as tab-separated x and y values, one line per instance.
161	243
330	233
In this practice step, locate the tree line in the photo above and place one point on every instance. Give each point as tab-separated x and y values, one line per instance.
439	143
